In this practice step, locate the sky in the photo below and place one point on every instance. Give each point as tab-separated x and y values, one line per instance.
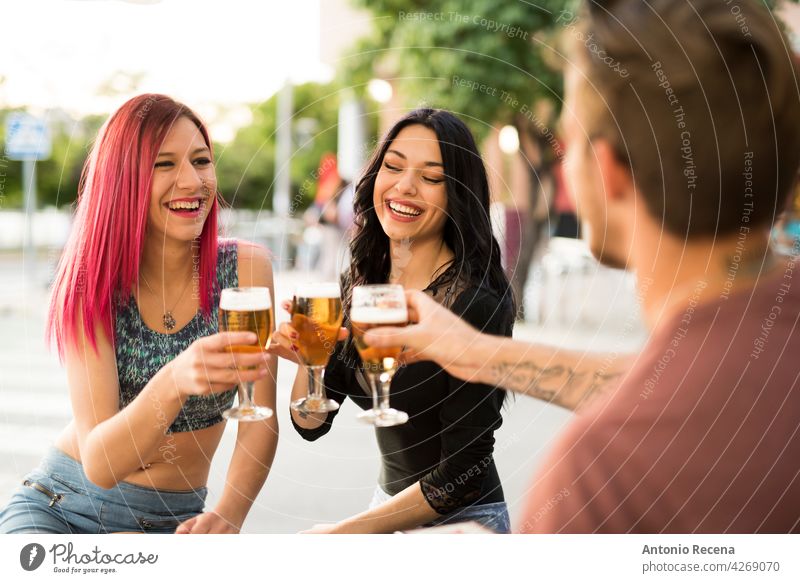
215	55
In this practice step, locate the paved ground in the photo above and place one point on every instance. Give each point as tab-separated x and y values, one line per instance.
310	482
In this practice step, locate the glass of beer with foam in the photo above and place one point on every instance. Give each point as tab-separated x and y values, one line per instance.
317	318
247	309
373	306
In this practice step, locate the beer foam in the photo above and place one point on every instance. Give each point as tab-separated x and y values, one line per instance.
318	290
245	299
372	315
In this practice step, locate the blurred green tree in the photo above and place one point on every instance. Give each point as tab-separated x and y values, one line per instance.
493	63
490	62
57	177
246	166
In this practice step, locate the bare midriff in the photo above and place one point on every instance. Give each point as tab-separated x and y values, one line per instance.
181	461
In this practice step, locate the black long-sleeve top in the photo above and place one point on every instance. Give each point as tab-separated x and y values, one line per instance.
447	443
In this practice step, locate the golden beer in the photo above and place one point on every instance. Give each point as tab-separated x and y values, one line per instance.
316	317
373	306
317	321
377	360
247	311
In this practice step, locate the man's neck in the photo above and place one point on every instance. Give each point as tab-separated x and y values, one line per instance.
416	262
675	274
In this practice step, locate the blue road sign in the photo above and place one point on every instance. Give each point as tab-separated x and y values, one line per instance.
27	137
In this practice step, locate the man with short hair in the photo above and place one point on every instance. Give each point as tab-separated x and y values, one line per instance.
682	124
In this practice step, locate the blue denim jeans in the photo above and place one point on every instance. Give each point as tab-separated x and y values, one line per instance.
493	516
58	498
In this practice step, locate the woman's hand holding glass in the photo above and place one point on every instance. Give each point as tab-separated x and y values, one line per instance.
284	340
308	340
316	320
247	309
207	366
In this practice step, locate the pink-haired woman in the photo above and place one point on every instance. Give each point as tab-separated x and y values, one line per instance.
134	316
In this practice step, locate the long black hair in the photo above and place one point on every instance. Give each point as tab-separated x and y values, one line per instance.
468	229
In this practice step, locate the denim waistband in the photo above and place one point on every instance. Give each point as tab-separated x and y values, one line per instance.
69	471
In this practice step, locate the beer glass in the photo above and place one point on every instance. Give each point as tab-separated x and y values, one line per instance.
247	309
373	306
317	317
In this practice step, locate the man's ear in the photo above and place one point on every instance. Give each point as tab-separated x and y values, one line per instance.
614	175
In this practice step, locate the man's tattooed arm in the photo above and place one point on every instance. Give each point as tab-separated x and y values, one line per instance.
566	378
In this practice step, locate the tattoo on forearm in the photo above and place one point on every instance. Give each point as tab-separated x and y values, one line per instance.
560	385
600	385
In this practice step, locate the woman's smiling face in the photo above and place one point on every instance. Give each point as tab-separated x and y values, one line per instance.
184	183
410	194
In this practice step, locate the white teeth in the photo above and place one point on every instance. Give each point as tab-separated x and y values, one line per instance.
185	205
404	210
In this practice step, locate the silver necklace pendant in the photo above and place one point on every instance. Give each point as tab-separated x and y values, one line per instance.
169	321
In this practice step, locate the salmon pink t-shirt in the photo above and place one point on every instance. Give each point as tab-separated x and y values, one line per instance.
703	433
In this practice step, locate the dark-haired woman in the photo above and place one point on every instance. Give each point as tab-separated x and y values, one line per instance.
422	221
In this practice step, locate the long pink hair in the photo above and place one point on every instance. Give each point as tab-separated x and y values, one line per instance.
100	263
